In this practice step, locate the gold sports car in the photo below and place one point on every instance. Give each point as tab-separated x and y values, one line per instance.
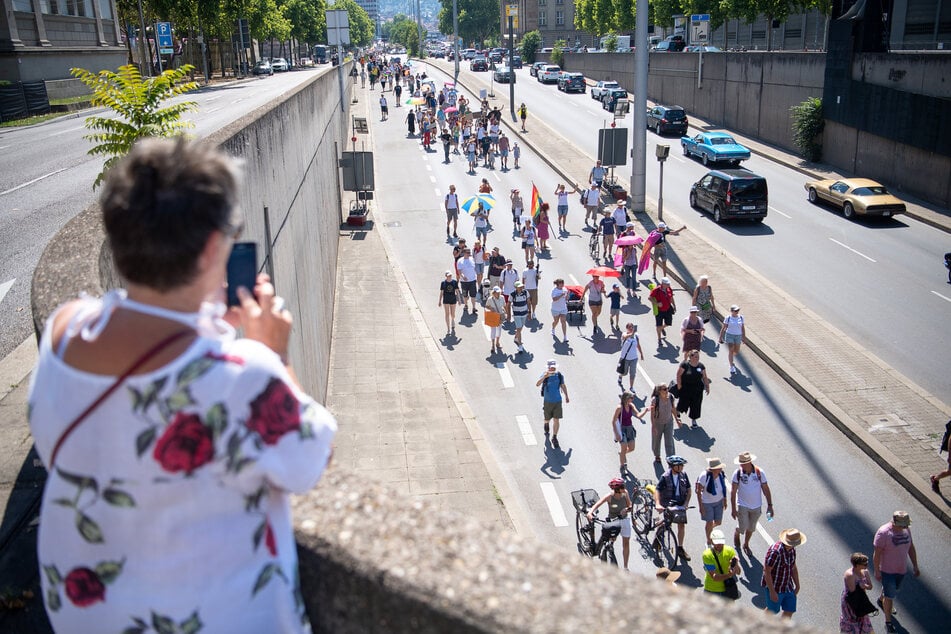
856	196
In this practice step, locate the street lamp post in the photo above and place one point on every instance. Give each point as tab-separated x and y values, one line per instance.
662	152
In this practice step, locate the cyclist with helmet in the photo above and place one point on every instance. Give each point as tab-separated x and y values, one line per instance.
619	514
673	490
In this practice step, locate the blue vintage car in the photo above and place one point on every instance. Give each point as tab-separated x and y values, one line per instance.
714	147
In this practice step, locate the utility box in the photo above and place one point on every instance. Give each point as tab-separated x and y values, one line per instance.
357	170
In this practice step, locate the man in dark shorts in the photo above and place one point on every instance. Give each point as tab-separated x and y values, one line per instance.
466	268
662	297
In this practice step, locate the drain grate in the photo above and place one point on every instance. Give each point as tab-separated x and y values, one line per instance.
884	422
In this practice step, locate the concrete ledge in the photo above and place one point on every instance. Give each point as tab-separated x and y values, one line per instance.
374	561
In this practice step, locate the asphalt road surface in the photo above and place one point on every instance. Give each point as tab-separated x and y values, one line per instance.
821	483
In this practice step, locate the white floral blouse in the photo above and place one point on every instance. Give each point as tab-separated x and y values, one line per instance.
167	509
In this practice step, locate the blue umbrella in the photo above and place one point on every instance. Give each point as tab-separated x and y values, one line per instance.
470	205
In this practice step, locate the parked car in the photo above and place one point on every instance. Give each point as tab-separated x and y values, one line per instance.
704	49
665	119
533	69
853	196
611	97
263	67
467	53
478	64
503	74
515	62
731	194
572	82
280	65
714	147
598	90
548	74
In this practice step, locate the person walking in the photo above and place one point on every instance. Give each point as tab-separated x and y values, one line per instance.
517	205
595	292
629	262
663	415
945	447
519	304
446	137
703	298
659	250
607	226
622	424
781	573
508	279
411	123
496	265
553	389
732	332
591	199
397	94
529	234
894	546
481	223
662	298
748	486
720	565
468	279
614	309
448	297
530	277
855	579
478	256
504	147
562	194
711	492
692	384
523	115
630	352
516	153
597	174
471	154
384	109
494	312
691	332
543	227
619	514
673	490
363	77
451	204
559	308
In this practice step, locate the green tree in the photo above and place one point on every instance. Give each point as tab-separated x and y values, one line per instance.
664	10
139	106
807	125
361	26
403	31
531	42
478	19
610	42
625	12
558	53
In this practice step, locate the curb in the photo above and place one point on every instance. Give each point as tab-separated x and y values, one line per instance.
832	412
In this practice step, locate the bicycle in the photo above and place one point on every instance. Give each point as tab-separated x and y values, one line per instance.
603	548
594	244
665	539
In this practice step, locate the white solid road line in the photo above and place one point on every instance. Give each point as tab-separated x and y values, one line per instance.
5	288
497	177
574	280
780	213
554	505
525	428
505	375
947	299
852	250
762	533
35	180
82	127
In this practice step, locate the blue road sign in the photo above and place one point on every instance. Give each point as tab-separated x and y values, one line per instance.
700	17
164	30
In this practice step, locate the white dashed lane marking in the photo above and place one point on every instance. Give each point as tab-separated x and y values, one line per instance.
525	428
852	250
505	375
780	213
554	505
35	180
947	299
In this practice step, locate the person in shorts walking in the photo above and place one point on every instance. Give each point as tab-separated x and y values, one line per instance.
553	389
746	498
559	308
451	205
662	297
711	492
781	574
630	352
466	268
732	333
893	548
530	277
448	296
591	199
518	301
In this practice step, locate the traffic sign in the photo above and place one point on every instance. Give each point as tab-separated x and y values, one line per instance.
164	30
511	10
699	28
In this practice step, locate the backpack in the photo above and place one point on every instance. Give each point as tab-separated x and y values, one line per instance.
545	382
584	196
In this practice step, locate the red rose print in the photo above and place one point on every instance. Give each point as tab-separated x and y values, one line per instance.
185	445
274	412
83	587
269	540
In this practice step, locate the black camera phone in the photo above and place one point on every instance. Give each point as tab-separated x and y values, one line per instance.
242	269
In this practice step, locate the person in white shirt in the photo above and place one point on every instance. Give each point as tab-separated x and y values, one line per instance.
467	280
711	491
452	210
746	498
530	277
733	331
559	308
507	280
528	240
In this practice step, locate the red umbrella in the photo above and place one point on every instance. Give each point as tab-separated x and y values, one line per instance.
603	271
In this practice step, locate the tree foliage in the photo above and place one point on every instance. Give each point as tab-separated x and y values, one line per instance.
558	53
478	20
403	30
138	105
531	42
807	125
361	26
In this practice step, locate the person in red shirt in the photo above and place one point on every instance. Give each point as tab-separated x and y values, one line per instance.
662	297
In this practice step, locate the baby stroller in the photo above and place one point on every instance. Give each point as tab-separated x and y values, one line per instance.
575	303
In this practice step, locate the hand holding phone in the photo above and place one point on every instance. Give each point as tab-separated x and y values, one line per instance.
242	269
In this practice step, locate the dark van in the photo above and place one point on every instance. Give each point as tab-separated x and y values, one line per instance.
731	194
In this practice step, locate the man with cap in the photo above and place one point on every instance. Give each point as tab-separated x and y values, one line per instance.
507	280
620	215
530	277
780	573
518	302
597	174
663	298
720	563
607	226
711	492
591	199
659	251
893	546
746	498
553	388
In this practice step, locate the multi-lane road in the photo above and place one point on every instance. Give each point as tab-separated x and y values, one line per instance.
821	484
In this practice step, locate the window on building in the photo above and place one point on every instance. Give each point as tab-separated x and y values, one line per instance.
105	9
542	18
559	1
542	3
560	18
25	6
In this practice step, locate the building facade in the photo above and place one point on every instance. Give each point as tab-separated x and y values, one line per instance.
43	39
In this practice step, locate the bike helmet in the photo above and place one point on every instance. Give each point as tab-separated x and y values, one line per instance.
615	483
676	460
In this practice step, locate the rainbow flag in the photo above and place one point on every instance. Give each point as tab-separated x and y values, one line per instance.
536	204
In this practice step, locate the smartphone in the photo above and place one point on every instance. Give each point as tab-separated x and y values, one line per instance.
242	269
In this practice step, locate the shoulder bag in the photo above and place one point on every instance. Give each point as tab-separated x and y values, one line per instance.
859	602
731	589
622	363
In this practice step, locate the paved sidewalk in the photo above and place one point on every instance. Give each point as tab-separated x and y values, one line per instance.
893	420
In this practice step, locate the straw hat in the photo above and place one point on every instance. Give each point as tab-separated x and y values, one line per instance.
792	537
744	458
